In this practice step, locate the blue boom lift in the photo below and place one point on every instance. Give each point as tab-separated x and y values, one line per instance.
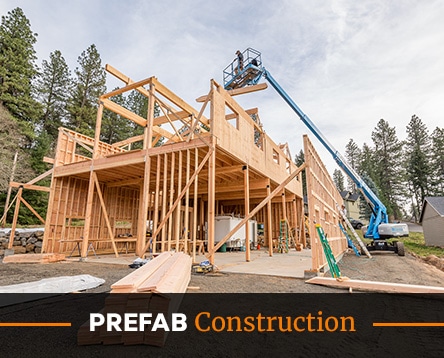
247	72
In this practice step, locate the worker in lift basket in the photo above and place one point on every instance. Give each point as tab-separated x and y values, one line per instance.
240	61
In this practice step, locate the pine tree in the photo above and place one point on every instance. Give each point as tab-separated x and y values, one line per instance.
89	84
53	86
417	150
338	179
437	162
353	156
116	128
10	129
389	171
17	70
367	164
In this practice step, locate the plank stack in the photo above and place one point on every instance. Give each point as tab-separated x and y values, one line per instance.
156	287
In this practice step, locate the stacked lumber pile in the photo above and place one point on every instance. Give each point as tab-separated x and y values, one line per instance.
33	258
156	287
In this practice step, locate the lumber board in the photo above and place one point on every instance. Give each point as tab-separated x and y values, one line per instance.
14	184
176	280
135	278
153	280
374	285
238	91
33	258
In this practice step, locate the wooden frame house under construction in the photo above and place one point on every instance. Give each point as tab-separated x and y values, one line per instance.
190	169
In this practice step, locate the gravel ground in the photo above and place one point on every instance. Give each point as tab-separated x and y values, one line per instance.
386	267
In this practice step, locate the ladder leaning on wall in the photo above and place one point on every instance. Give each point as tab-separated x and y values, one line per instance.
334	269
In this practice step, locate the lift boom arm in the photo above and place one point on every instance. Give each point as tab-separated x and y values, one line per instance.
379	215
248	72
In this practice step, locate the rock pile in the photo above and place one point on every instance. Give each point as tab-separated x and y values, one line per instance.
25	241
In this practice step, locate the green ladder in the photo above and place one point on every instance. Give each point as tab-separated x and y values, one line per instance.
283	237
334	269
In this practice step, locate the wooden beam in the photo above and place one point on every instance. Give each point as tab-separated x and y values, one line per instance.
14	184
48	160
165	119
40	177
122	143
374	285
32	210
264	202
126	182
173	98
128	87
118	109
239	91
116	73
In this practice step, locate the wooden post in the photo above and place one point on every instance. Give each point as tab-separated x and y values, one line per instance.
247	211
14	220
156	204
269	224
211	203
90	197
170	221
145	187
8	195
177	226
186	227
164	197
195	204
88	212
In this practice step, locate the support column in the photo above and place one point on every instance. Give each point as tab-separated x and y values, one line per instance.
211	202
144	188
90	197
269	224
247	211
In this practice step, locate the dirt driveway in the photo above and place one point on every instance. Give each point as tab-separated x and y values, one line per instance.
386	267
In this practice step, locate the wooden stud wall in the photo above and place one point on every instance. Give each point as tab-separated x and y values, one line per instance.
322	199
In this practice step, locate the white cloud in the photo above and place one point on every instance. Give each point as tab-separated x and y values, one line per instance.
345	63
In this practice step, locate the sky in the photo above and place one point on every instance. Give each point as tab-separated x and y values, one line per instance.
345	63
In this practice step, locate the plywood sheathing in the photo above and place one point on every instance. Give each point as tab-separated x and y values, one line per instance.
101	191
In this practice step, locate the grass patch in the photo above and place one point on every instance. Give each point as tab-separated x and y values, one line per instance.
414	243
